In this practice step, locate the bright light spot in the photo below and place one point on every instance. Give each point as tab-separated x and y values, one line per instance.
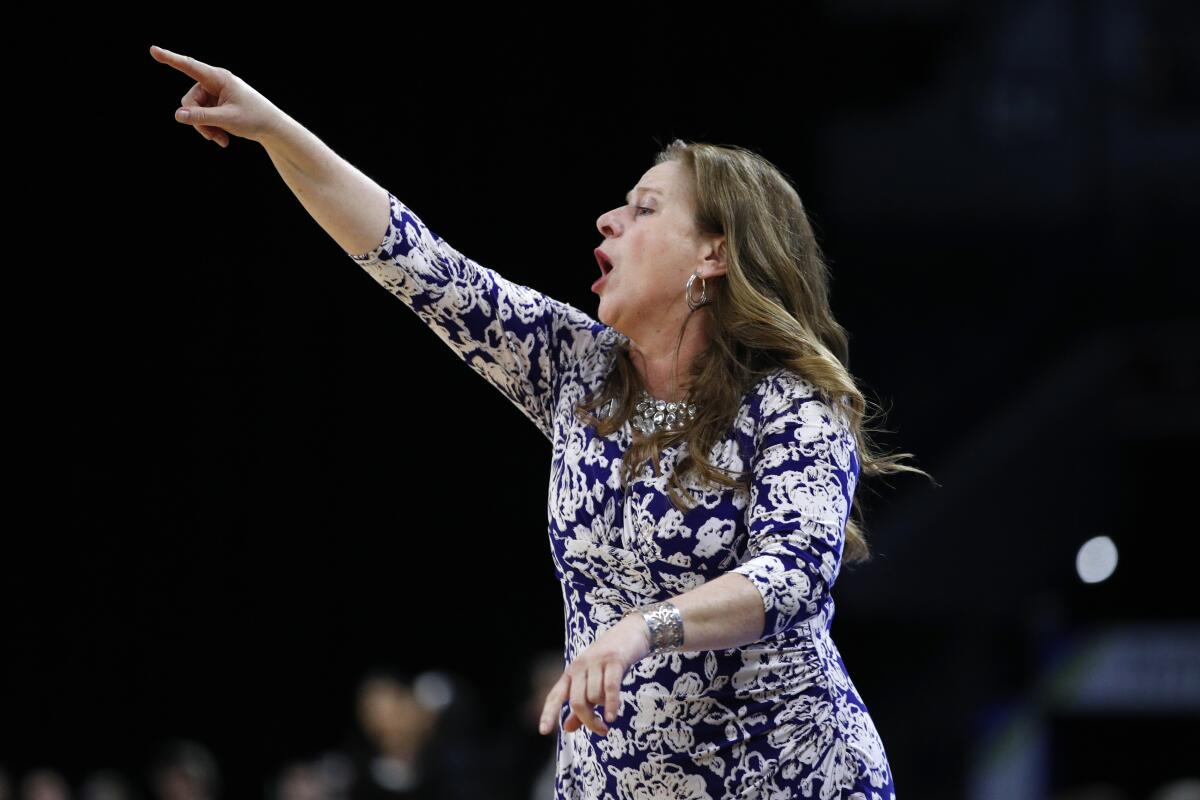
433	689
1096	560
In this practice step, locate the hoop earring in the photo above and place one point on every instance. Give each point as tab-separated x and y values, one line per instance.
703	301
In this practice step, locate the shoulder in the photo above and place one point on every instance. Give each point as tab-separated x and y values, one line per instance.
780	389
597	352
609	342
608	337
783	399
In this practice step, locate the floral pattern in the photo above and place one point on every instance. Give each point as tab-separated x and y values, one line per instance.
776	718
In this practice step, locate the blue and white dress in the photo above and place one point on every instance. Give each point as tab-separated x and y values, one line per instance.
776	718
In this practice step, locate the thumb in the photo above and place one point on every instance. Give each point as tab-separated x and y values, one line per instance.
199	115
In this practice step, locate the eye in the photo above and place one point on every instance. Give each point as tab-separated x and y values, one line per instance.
641	208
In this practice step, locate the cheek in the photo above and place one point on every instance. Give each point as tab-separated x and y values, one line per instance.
673	253
655	272
656	255
658	283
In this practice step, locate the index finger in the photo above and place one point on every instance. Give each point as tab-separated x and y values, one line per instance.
185	64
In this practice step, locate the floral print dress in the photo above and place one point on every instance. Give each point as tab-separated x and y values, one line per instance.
776	718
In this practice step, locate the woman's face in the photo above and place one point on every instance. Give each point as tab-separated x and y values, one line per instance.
654	247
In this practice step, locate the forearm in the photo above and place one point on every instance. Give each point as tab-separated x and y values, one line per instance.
352	208
722	613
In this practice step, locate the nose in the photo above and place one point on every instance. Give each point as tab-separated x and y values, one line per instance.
609	223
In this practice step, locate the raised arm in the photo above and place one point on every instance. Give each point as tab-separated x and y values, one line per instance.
518	339
521	341
348	205
351	207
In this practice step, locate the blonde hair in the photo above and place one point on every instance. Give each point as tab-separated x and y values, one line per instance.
770	310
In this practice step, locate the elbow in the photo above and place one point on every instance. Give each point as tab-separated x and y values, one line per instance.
791	593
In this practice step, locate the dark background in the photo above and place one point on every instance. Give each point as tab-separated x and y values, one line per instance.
248	472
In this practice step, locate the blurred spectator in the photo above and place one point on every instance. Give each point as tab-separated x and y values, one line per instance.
418	738
301	781
185	770
44	784
525	759
106	785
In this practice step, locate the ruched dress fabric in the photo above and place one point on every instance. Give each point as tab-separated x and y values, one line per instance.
776	718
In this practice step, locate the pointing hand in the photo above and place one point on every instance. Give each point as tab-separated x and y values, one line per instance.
220	103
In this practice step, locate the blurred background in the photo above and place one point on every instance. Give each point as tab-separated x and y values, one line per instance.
241	568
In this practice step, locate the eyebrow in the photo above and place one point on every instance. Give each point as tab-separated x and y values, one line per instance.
629	197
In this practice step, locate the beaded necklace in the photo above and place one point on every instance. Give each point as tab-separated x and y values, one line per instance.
654	414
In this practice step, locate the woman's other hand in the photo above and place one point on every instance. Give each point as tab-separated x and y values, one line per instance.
595	676
220	103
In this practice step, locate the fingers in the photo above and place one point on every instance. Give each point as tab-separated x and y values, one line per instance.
194	97
213	134
198	96
601	684
595	690
612	690
186	64
580	704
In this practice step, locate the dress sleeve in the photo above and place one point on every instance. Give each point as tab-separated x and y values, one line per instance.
803	474
518	339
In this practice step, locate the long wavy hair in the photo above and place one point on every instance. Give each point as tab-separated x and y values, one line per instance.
770	310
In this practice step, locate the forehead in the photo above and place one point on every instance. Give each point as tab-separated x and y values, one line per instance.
665	171
663	178
662	175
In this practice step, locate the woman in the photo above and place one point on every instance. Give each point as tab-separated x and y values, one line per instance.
707	442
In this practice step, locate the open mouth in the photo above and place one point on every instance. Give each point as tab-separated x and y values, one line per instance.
605	264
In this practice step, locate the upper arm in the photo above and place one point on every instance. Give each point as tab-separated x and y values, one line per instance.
518	339
804	470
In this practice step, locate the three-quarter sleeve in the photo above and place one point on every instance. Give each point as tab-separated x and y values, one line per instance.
518	339
803	474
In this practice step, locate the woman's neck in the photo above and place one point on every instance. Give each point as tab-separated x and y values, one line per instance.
664	386
662	374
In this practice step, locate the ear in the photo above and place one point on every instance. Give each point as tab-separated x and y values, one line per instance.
714	262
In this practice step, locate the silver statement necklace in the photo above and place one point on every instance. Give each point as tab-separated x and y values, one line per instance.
654	415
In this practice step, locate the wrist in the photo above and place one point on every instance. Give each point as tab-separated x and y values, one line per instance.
661	625
280	133
635	620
